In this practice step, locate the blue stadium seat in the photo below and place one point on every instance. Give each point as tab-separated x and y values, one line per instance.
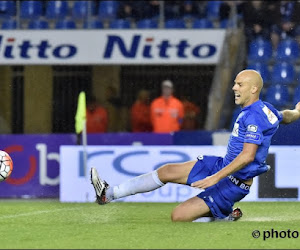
175	24
202	23
108	10
9	24
147	24
287	50
283	73
226	23
81	10
38	24
262	68
260	50
31	9
65	24
278	95
119	24
213	9
93	24
7	9
296	97
57	9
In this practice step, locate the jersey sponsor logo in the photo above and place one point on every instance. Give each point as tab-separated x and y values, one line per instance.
235	131
254	137
271	116
252	128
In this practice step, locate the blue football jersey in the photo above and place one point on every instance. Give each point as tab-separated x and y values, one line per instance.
256	123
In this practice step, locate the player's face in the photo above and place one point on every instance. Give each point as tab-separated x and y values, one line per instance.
242	91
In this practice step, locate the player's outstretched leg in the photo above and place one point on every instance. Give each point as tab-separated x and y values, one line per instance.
173	172
190	210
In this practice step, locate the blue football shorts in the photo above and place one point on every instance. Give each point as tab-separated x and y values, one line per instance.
220	197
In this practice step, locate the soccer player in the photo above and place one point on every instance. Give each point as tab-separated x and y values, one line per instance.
224	180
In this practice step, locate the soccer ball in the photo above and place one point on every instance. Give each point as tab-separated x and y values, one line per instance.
6	165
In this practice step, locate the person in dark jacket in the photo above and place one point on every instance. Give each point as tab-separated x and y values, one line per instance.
287	20
256	20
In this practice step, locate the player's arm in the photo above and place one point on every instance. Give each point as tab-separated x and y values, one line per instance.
244	158
289	115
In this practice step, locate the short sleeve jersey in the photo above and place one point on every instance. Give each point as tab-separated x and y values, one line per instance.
256	124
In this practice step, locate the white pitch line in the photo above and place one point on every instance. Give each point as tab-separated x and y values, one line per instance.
258	219
35	213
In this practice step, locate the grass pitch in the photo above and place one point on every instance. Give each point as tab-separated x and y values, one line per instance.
53	225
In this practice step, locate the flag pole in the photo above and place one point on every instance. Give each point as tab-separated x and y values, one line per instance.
84	144
80	127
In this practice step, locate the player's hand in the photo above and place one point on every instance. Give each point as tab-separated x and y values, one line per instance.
207	182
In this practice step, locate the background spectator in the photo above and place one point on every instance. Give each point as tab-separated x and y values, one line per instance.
193	9
226	9
128	10
256	19
173	9
140	113
117	114
166	111
286	18
96	117
191	114
148	9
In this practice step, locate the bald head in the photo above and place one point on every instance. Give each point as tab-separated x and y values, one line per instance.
247	87
251	77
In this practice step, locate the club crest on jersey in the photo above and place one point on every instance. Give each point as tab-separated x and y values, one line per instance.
252	128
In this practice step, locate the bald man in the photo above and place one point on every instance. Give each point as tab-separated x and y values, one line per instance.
224	180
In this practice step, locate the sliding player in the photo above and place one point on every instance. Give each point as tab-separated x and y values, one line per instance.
224	180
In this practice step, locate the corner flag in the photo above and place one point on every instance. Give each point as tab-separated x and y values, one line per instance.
80	117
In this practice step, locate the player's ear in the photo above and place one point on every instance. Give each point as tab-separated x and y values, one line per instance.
254	89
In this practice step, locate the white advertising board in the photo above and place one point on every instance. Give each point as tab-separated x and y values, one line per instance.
116	164
134	46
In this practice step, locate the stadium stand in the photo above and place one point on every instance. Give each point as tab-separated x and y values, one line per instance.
283	73
277	66
213	9
31	9
176	23
226	23
65	24
296	96
278	95
263	69
108	10
119	24
287	50
9	24
57	9
93	24
147	24
260	50
80	9
7	9
38	24
202	23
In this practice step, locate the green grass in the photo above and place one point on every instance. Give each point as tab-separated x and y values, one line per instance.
50	224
